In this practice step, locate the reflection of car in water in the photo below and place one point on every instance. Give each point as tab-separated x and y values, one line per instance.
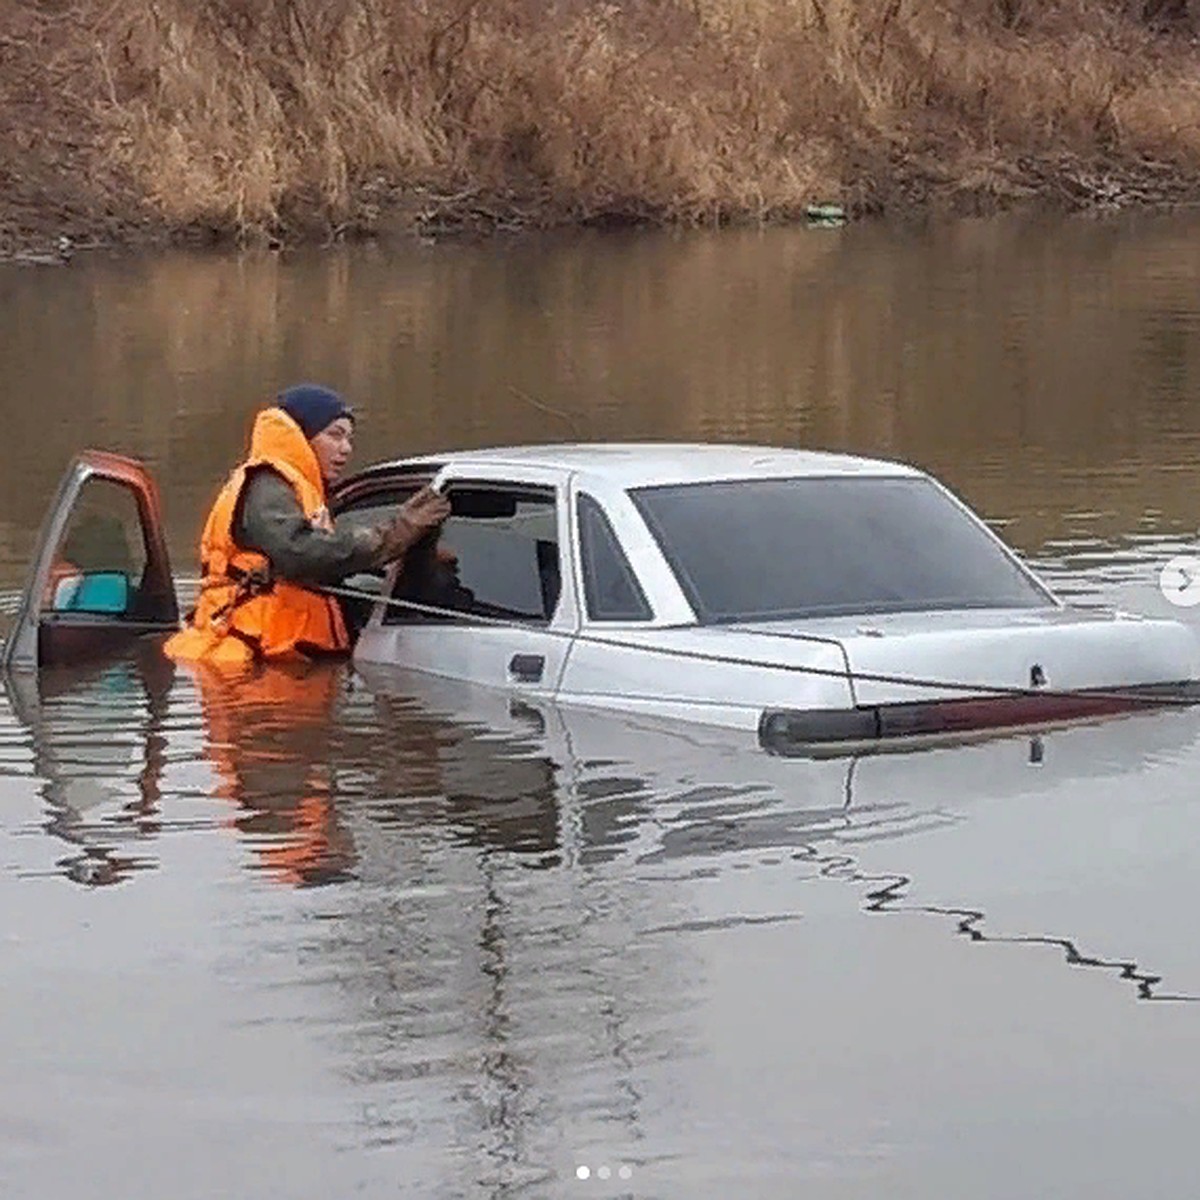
96	733
662	794
820	601
515	774
658	761
364	782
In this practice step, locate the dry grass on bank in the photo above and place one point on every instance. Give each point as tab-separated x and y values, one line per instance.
260	115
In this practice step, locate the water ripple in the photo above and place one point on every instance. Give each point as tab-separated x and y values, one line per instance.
504	928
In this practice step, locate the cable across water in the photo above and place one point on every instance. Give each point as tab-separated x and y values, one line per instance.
1166	698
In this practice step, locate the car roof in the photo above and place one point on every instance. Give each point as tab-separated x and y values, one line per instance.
645	464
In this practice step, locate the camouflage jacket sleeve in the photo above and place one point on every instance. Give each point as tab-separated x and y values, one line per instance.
269	519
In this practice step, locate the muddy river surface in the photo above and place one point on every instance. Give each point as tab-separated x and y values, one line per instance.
335	940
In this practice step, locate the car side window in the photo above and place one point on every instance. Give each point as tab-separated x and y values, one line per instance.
611	589
497	558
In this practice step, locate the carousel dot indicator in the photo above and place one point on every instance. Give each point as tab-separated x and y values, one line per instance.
582	1172
625	1172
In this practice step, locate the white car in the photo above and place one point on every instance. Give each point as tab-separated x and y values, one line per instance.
820	600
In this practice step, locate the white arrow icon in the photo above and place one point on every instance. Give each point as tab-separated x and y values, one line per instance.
1179	580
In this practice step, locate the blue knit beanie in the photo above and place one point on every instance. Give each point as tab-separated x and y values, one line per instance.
313	407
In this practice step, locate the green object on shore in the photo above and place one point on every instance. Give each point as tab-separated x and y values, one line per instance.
827	215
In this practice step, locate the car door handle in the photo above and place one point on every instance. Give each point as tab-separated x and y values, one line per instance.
527	668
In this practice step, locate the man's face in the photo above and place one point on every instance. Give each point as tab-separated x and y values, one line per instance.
333	447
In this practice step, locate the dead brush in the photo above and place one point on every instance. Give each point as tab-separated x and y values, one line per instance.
269	116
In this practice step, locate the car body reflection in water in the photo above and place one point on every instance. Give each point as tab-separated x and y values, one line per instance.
329	776
552	786
99	743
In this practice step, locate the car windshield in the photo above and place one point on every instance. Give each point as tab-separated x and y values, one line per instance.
770	549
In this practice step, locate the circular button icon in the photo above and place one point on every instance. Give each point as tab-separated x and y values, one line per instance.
1179	580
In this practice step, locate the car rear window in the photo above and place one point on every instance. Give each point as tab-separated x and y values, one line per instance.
766	549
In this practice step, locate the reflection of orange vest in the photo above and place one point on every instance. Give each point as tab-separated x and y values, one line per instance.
267	734
242	613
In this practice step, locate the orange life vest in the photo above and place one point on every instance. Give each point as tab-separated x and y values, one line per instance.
242	613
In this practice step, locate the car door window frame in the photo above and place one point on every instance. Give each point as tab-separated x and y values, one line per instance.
383	480
541	491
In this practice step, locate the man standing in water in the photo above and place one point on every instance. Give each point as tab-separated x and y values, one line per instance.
269	540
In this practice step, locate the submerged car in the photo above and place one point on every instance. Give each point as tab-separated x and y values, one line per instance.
822	600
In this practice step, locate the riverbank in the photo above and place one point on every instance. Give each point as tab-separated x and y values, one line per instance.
291	120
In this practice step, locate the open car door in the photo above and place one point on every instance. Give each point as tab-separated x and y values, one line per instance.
100	575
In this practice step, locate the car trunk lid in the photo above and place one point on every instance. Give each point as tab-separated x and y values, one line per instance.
947	672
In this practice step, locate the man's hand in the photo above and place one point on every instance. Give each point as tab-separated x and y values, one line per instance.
417	516
427	509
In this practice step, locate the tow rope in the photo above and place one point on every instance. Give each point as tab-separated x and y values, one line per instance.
1171	694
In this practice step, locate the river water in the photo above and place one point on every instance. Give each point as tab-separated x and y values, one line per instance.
408	940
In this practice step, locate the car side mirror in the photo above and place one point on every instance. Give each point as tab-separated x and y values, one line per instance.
92	592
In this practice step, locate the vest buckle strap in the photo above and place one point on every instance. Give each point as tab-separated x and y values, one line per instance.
246	585
250	583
